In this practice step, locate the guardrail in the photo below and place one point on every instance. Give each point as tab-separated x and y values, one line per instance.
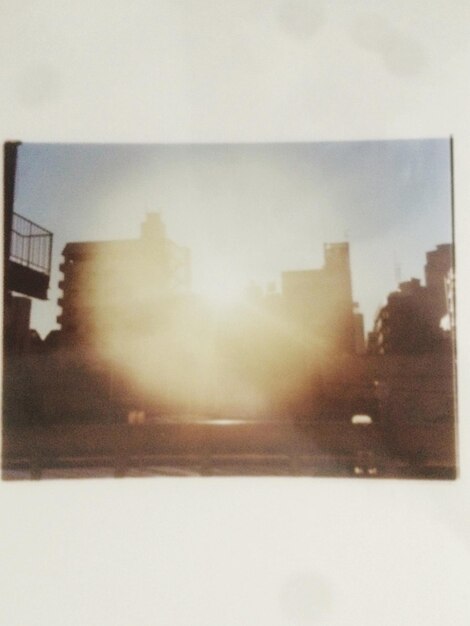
31	244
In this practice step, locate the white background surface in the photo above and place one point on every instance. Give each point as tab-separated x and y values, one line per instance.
240	551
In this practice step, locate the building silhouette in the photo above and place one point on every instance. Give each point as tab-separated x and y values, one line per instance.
410	322
120	284
320	301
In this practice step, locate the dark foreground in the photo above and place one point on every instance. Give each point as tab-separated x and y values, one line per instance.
65	416
230	448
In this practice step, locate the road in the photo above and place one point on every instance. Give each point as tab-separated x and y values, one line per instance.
201	447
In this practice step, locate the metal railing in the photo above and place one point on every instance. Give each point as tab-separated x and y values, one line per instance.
31	245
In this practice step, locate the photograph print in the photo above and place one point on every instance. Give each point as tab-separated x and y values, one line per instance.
278	309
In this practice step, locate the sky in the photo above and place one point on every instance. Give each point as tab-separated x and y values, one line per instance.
247	212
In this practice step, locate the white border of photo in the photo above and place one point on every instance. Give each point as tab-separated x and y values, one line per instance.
241	550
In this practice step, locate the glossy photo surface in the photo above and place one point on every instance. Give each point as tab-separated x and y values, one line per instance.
229	310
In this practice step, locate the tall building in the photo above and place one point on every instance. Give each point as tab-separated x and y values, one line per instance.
410	322
320	301
120	283
404	325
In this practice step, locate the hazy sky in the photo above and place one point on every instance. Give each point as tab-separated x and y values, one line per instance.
249	211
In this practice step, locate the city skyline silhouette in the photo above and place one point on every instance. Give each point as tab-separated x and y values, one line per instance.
225	336
249	212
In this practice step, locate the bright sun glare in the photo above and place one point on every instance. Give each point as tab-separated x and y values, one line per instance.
223	289
222	296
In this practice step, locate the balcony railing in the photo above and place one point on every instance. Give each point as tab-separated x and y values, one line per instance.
31	245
